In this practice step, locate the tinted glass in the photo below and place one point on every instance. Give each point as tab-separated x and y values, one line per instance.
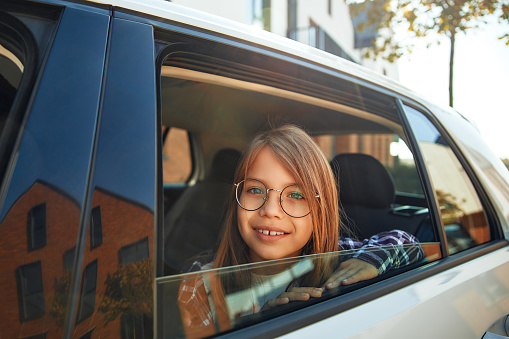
123	191
43	197
462	213
197	305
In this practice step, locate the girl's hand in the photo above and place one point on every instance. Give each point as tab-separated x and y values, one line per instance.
351	271
296	293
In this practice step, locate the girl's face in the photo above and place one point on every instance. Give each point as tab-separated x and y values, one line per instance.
289	235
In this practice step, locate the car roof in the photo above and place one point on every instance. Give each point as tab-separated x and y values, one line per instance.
191	17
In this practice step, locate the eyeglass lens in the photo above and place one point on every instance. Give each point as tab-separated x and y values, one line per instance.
252	195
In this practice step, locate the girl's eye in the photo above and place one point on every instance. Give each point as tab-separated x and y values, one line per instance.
255	190
295	195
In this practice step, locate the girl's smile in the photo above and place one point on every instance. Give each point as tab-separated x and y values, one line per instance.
269	232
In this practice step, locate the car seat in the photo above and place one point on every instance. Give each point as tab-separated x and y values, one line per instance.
194	223
367	196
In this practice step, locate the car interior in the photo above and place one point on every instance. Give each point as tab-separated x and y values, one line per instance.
220	116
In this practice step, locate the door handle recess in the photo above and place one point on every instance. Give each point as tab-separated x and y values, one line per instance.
499	329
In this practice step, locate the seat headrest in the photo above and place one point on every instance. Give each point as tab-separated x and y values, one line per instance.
363	180
224	165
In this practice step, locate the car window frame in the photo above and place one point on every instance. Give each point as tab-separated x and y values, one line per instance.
491	215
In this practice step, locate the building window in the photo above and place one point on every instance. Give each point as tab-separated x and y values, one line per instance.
36	227
30	291
261	14
68	259
96	228
135	252
88	289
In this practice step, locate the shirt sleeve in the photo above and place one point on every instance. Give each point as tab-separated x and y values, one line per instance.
386	250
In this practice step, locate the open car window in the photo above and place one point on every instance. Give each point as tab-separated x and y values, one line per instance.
223	104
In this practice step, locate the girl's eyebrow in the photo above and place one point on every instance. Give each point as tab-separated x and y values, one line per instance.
291	183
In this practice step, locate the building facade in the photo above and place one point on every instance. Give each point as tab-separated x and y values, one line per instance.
324	24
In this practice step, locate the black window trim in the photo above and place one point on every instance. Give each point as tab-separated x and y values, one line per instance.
430	195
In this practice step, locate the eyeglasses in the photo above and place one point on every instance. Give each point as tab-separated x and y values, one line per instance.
252	194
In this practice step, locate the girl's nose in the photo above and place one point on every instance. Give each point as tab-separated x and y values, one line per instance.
272	207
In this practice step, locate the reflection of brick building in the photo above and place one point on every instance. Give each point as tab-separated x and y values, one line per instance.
38	242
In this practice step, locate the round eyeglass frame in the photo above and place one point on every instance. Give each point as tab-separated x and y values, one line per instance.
267	190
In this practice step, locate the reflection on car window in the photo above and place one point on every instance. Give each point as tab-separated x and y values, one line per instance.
11	70
203	307
462	213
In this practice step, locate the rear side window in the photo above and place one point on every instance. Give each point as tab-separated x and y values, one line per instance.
223	104
462	212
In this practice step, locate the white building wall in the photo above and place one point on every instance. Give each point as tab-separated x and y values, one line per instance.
230	9
338	25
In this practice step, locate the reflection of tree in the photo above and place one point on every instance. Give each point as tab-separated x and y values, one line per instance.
60	297
128	291
451	211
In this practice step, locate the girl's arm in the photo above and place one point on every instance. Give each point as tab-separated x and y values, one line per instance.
386	250
376	255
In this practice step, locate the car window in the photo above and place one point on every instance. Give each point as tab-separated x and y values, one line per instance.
462	212
358	130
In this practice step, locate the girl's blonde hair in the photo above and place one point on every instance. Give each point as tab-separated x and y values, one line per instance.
303	158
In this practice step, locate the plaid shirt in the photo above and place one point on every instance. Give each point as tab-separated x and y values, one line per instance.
386	250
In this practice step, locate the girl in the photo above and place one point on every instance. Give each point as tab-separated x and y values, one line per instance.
284	204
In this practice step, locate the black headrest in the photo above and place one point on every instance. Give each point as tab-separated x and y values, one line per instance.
223	165
363	180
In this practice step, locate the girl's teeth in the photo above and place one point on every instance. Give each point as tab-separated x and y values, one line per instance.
270	232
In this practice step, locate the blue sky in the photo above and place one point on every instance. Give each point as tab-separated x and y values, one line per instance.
481	79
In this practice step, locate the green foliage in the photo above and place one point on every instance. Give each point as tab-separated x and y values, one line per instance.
60	296
420	18
128	291
506	162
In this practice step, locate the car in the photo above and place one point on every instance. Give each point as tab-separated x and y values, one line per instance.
122	124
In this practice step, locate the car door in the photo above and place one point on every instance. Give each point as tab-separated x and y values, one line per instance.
44	188
78	195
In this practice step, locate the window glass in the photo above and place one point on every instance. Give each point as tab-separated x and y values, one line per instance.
198	305
96	228
389	149
88	287
46	187
30	292
461	210
177	163
36	227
